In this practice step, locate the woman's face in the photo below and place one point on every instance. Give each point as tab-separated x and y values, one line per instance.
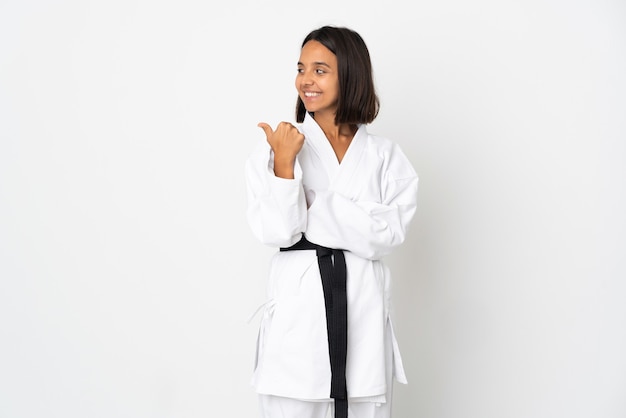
317	81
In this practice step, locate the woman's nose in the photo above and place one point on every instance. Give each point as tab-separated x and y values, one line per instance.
307	78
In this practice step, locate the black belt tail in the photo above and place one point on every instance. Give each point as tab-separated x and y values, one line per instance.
332	265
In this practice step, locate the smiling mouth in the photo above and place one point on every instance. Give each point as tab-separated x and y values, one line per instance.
311	94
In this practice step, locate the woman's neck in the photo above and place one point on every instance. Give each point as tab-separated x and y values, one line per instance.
334	132
339	136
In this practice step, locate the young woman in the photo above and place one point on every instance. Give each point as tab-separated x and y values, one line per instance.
335	200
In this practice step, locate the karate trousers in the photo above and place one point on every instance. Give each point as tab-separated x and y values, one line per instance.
278	407
373	407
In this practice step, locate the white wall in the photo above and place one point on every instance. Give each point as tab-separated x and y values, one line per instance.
127	271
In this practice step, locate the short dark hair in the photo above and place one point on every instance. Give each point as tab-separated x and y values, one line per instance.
358	102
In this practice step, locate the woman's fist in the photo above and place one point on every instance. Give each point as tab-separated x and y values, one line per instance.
286	142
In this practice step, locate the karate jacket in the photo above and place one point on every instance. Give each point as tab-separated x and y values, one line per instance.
364	206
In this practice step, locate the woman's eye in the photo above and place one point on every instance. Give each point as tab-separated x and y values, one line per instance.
317	71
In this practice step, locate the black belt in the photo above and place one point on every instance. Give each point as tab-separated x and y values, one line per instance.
336	301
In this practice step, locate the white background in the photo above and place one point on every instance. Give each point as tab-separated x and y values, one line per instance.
127	269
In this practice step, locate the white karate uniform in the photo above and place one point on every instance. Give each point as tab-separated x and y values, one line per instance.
364	206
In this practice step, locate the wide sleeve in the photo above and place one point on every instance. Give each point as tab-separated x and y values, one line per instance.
277	211
369	229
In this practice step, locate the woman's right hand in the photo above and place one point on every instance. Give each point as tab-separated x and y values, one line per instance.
286	142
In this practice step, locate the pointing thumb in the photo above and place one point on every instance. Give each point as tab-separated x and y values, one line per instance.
266	128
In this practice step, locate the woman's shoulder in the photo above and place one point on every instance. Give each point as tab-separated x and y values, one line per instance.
391	152
383	144
380	141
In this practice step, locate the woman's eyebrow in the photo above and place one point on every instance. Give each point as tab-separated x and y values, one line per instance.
317	63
